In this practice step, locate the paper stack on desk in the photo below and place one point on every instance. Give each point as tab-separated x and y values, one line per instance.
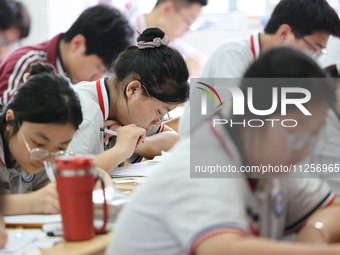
141	169
23	241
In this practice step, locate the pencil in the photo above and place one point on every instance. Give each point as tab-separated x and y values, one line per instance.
108	131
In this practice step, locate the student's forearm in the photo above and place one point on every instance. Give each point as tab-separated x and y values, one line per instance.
18	204
224	244
155	144
330	229
109	159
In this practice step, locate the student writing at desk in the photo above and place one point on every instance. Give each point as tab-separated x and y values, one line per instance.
37	123
150	80
175	214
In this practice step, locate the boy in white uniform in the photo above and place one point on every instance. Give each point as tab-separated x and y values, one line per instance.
302	24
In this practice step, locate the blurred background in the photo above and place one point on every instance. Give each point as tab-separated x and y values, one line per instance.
220	19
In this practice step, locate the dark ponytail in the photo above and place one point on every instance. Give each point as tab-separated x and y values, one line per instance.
161	69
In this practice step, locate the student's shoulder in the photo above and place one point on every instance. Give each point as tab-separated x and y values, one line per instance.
85	88
236	45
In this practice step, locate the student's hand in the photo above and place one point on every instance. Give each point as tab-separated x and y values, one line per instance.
3	237
128	139
3	233
113	125
46	199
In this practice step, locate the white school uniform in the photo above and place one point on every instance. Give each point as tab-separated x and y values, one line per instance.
94	100
172	213
14	180
229	60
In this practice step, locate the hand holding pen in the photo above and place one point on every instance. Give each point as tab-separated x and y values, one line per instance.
129	137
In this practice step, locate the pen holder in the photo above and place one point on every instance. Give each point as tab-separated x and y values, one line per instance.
75	181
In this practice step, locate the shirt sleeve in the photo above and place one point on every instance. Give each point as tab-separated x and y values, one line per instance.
306	195
13	69
87	139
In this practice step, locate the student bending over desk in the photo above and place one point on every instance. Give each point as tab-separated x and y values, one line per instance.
37	123
175	214
150	80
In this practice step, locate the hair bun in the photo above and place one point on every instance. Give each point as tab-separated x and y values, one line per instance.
150	33
38	68
41	67
152	38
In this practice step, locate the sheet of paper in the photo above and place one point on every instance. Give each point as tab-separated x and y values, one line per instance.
134	170
32	219
21	241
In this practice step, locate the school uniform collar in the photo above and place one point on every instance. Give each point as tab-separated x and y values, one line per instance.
226	142
230	148
255	45
103	97
60	66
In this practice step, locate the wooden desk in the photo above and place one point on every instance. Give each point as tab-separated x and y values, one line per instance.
95	246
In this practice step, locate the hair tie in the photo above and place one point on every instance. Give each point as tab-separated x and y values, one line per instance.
25	77
156	42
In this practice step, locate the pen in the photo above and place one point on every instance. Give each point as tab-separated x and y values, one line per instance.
108	131
53	229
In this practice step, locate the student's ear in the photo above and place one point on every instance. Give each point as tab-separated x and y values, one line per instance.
10	115
284	33
133	88
78	44
167	7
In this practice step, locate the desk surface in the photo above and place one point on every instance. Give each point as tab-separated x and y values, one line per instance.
97	245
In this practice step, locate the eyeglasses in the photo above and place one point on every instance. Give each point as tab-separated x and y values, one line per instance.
167	118
299	139
37	153
318	52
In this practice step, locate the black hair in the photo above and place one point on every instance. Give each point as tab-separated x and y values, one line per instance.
44	98
305	17
290	65
13	13
184	2
162	70
107	32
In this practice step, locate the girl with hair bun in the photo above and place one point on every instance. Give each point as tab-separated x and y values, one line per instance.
150	80
36	124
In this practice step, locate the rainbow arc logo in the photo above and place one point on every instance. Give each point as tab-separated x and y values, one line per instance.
212	93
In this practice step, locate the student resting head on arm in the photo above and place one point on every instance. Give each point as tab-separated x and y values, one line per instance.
173	213
150	80
36	124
